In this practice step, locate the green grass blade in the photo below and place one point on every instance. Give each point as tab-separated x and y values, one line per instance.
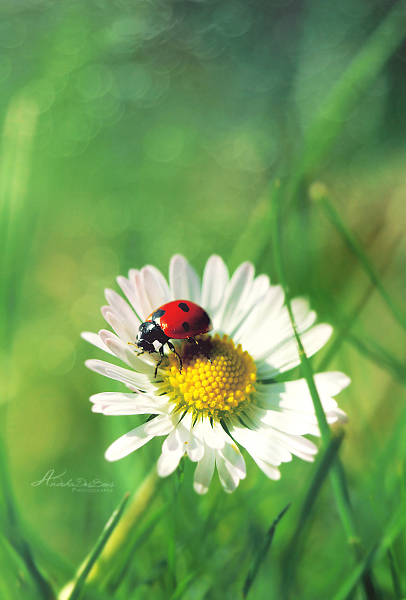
182	586
378	552
263	551
15	574
79	583
121	542
307	371
114	579
12	527
368	347
319	193
355	577
349	321
337	474
395	574
374	352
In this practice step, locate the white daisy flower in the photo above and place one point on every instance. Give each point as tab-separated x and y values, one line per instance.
223	392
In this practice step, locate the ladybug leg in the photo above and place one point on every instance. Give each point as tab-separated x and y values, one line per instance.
160	359
201	346
172	347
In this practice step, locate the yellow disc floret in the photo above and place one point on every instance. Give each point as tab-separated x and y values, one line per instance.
217	387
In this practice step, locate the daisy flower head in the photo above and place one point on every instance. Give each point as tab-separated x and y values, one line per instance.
215	392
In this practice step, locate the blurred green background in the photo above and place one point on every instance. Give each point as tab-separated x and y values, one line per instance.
136	130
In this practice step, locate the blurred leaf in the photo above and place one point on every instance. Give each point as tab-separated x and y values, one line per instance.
323	468
319	193
262	552
360	73
74	590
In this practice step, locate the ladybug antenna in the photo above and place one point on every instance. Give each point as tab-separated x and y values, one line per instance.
172	347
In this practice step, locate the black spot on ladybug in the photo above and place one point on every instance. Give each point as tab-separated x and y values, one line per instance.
186	326
183	306
158	313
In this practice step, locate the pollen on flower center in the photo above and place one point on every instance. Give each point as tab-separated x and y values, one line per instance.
217	388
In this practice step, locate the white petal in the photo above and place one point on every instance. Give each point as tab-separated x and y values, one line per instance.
126	353
173	449
128	288
144	306
276	329
235	295
116	402
121	329
228	474
233	456
138	380
161	425
213	438
184	282
271	472
155	287
194	445
287	423
128	443
94	339
261	446
295	444
295	395
341	416
256	294
123	409
287	357
265	311
153	403
168	463
123	311
215	280
204	471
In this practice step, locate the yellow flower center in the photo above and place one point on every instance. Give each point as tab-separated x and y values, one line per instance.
215	388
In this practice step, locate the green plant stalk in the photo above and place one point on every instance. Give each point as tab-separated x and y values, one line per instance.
114	580
337	474
319	193
74	590
113	553
121	539
307	371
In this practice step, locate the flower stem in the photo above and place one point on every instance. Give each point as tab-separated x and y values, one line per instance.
337	475
116	549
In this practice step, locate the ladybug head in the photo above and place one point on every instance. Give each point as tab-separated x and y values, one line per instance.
150	337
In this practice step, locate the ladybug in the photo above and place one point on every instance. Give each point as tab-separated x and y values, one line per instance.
178	320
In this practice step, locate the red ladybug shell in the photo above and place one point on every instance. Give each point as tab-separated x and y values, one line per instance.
181	319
